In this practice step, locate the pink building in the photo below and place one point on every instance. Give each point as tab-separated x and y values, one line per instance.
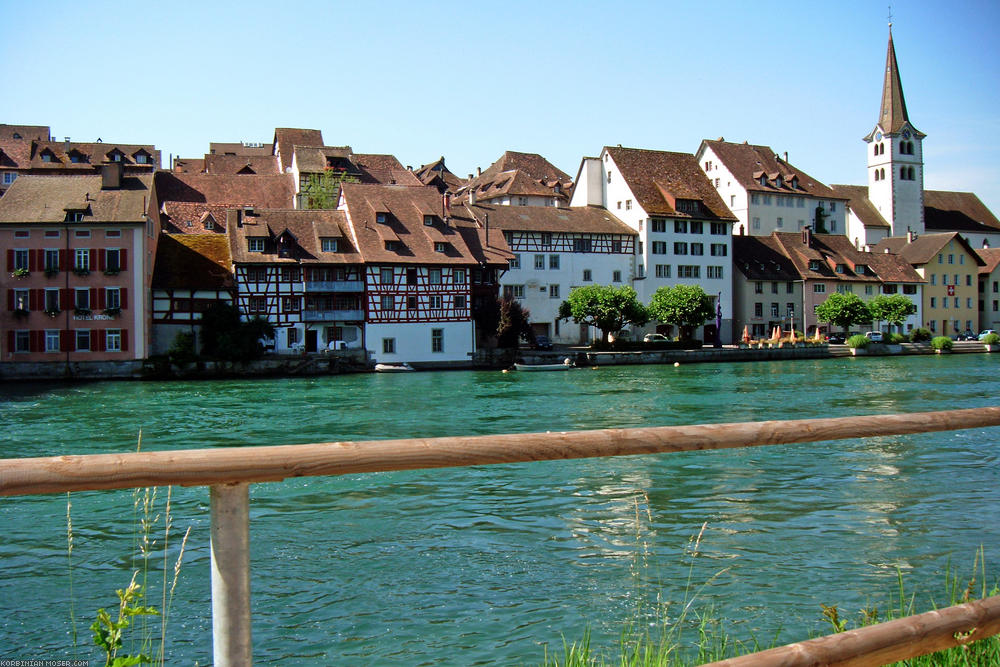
77	268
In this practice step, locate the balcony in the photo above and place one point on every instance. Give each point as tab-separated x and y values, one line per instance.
332	315
335	286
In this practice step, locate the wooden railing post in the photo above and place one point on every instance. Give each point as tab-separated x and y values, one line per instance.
231	640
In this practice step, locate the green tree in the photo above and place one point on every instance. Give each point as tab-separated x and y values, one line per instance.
514	323
322	191
893	309
687	306
605	307
224	335
843	310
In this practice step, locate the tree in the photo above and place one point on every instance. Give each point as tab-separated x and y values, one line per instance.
322	191
514	324
843	310
687	306
605	307
893	309
225	336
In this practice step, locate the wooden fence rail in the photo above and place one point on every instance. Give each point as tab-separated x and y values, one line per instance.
229	471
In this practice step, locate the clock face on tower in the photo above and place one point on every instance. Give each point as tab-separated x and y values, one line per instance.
906	134
878	136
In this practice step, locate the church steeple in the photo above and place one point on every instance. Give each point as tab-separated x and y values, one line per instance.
893	114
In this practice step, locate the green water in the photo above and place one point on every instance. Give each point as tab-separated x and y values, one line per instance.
485	565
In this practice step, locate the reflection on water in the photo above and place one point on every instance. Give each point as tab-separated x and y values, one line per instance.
482	565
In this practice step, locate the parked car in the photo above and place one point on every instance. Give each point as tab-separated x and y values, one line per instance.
542	343
837	338
968	335
874	336
985	332
654	338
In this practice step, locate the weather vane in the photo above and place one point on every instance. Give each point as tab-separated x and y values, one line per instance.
890	15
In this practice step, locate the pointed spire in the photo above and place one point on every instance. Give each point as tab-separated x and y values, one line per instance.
893	113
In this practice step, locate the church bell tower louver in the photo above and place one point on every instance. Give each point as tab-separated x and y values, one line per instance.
895	157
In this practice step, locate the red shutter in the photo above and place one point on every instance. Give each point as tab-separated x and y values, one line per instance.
124	297
94	338
32	260
93	258
10	259
10	342
94	291
67	338
36	299
121	261
124	340
62	261
101	301
36	341
66	300
102	257
101	340
10	299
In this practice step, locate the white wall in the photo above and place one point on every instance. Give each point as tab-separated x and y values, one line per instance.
413	341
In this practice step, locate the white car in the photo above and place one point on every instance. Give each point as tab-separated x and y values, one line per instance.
654	338
874	336
985	332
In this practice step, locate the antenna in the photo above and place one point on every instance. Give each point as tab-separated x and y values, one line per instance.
890	16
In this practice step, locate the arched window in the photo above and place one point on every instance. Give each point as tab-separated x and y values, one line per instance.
876	174
882	171
876	149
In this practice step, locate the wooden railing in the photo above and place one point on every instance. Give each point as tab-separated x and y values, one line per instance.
229	471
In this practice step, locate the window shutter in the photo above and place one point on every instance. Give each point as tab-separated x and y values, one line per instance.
121	259
93	258
36	299
94	339
101	300
123	292
10	342
32	260
94	291
62	260
10	259
124	340
102	257
67	298
67	337
102	340
35	341
10	299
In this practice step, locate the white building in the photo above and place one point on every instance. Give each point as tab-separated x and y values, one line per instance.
684	228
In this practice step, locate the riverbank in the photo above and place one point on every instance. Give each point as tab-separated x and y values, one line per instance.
356	361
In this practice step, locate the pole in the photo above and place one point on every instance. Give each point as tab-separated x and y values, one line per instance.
231	641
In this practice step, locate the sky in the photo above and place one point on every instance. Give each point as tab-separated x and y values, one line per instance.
468	80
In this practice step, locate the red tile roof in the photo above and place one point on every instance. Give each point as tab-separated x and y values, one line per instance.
957	211
47	199
308	227
923	248
991	259
285	139
193	261
747	163
518	174
577	219
861	206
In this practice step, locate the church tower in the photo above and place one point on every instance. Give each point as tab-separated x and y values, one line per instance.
895	158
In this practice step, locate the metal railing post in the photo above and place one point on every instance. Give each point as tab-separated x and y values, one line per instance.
231	641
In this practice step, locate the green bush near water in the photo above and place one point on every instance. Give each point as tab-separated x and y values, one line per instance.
920	335
858	341
990	339
942	343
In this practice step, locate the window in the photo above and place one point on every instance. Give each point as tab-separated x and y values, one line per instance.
380	217
957	302
968	280
714	272
660	247
513	291
819	288
515	262
460	301
434	276
889	289
257	304
83	340
385	276
330	245
81	233
81	298
112	298
434	302
22	341
909	289
440	246
951	259
697	227
21	299
113	340
934	279
553	291
754	198
539	262
21	260
255	244
840	268
756	223
388	346
546	240
758	287
458	276
521	201
387	302
658	225
437	340
774	288
616	246
933	302
619	204
52	340
961	259
581	245
968	304
9	177
112	260
680	248
789	287
554	262
290	274
688	271
291	304
680	226
780	223
428	220
719	249
774	310
869	289
411	276
628	204
758	309
51	300
697	248
587	276
717	228
54	233
662	270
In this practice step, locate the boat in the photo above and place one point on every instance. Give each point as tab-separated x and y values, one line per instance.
401	367
564	366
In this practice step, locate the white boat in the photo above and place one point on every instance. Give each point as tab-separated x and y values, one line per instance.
401	367
564	366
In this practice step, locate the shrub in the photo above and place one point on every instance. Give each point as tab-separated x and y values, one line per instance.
182	351
895	338
991	339
858	341
920	335
941	343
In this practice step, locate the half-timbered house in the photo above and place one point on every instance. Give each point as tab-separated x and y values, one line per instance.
426	263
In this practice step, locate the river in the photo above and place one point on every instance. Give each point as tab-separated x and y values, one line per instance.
487	565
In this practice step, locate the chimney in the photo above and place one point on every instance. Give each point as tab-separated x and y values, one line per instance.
472	196
479	171
111	176
786	156
807	236
486	224
446	206
910	235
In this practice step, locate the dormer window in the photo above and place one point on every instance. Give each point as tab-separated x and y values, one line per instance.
116	156
860	269
795	183
48	156
142	157
392	245
814	265
381	217
779	181
330	244
428	220
74	216
441	246
840	268
76	157
762	180
255	244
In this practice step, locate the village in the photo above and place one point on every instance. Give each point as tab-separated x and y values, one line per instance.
109	258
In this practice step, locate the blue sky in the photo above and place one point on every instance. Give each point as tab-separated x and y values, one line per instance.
470	80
